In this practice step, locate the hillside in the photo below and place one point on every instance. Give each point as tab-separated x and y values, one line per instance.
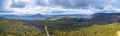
106	17
100	24
10	27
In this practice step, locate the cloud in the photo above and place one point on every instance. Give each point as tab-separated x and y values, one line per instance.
64	3
71	3
100	4
55	7
51	10
42	2
5	4
18	4
2	4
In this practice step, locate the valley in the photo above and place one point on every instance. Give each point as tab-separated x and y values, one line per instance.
62	26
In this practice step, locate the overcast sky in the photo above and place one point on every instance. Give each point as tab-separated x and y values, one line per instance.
55	7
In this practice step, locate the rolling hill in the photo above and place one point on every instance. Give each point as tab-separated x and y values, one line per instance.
100	24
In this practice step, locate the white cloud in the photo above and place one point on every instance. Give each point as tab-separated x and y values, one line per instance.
109	7
49	10
32	8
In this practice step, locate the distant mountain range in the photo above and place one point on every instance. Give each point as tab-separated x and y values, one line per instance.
97	17
106	17
37	15
21	16
102	17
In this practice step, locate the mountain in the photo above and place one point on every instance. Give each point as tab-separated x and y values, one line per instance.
63	26
13	27
96	17
69	15
22	16
40	16
106	17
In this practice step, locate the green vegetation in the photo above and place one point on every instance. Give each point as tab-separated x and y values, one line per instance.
94	30
12	27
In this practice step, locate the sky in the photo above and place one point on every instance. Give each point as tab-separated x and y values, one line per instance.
58	7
